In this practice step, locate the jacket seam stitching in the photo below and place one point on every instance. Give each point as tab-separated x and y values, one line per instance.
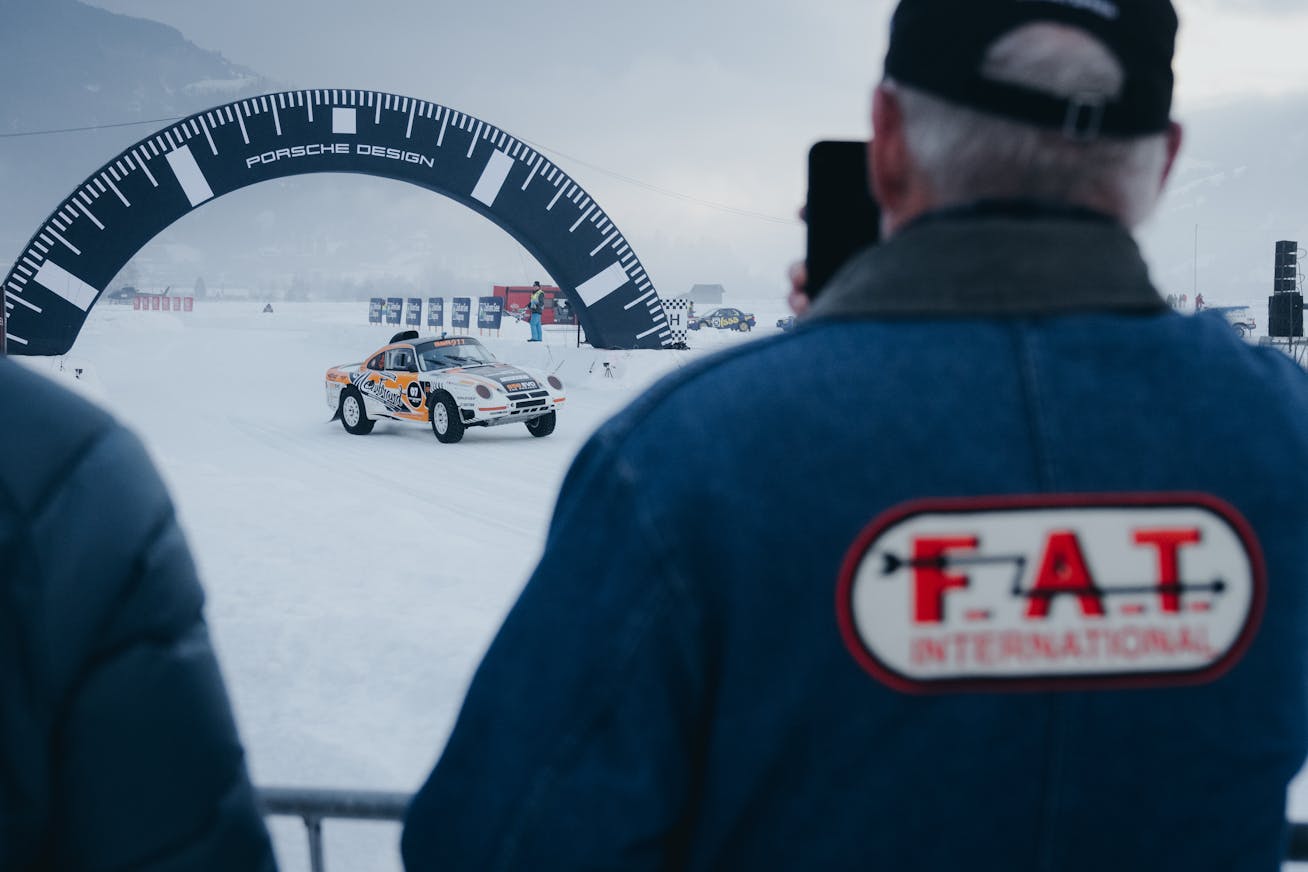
1029	383
70	467
1047	478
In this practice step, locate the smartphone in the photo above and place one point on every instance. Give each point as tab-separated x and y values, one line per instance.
842	216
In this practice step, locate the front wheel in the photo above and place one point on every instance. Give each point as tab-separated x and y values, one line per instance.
1242	331
354	418
444	416
542	426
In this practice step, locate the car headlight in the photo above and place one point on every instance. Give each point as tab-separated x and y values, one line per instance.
555	382
483	392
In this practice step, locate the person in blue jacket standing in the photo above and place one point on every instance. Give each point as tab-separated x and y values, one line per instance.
536	305
937	586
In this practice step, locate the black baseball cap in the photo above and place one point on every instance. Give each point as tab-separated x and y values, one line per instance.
939	46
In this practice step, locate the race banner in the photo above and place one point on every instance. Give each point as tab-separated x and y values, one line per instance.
136	303
393	307
459	314
188	304
435	311
177	304
413	312
490	311
375	306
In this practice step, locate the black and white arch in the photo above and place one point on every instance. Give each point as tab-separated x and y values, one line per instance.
109	217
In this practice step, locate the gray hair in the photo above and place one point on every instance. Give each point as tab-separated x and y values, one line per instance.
964	155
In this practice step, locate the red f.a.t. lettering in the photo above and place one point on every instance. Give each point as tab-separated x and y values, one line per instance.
930	581
1063	570
1168	543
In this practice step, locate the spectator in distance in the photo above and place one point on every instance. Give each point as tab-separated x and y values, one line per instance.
536	305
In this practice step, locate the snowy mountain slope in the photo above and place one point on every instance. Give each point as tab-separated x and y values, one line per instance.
68	65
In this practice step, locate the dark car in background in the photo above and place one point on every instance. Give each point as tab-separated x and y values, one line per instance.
724	319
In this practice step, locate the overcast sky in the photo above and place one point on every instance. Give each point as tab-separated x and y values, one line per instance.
472	52
716	99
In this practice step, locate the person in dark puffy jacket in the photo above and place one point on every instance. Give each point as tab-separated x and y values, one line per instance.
117	746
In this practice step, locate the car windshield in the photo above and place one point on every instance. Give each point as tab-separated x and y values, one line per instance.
442	353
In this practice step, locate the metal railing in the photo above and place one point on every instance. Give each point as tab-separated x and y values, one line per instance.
313	806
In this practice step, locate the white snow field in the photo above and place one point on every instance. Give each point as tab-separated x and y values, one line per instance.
353	582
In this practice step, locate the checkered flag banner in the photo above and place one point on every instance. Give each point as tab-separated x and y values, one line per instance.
678	312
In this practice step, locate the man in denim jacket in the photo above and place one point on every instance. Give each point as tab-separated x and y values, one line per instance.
958	575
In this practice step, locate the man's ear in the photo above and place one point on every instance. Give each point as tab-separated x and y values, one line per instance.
888	163
1175	136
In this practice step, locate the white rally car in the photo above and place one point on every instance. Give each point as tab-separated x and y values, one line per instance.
450	382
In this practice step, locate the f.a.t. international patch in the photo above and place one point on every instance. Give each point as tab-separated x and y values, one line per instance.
1066	592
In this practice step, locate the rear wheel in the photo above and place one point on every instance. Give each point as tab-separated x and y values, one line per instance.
743	327
542	426
354	417
444	416
1242	331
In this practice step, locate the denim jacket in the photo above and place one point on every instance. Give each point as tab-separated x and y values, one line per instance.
672	689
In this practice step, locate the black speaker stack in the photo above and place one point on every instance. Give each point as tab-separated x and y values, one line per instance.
1285	305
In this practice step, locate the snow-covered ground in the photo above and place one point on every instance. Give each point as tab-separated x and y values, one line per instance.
353	582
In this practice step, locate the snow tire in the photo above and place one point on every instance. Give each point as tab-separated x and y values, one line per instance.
353	409
542	426
443	413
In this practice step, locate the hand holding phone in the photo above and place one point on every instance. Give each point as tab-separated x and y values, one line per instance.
842	216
